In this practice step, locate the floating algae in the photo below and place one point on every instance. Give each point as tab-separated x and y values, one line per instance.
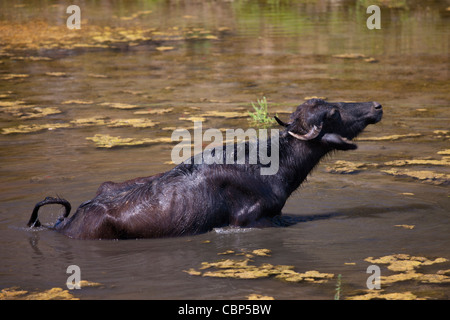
309	276
86	283
239	269
34	128
77	123
164	48
193	118
77	102
262	252
242	269
136	123
32	58
427	176
11	105
404	262
355	56
107	141
444	152
370	60
114	123
40	35
51	294
16	293
249	254
349	56
224	114
37	112
405	226
154	111
424	278
391	137
178	128
24	111
86	122
56	74
12	76
445	161
346	167
407	265
96	75
413	275
441	134
255	296
45	36
135	15
117	105
379	295
226	252
226	264
12	293
235	270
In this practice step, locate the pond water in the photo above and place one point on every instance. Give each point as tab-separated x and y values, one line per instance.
169	61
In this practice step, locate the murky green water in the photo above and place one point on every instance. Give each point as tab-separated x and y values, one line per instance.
221	55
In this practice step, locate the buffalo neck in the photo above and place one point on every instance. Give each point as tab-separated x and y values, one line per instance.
296	160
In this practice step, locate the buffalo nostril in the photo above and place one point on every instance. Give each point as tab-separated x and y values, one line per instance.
377	106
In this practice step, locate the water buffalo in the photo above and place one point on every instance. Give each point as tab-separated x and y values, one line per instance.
195	198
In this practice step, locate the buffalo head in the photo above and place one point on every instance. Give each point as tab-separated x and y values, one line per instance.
333	124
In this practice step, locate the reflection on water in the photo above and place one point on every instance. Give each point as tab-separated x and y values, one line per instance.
171	62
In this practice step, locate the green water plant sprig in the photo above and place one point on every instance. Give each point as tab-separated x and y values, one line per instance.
261	114
337	296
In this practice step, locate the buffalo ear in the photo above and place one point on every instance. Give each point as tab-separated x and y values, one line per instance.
337	142
334	114
281	123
